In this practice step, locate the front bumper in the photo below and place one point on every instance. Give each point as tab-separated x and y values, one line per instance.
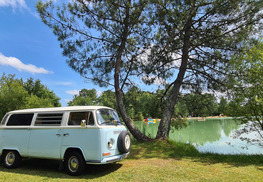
111	159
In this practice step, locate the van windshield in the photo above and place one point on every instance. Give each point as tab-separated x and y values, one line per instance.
108	117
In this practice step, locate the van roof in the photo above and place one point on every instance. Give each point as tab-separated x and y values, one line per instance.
57	109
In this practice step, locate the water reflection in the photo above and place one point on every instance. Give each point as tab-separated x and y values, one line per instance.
212	135
202	132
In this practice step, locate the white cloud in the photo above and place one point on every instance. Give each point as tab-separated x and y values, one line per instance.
73	92
20	66
13	3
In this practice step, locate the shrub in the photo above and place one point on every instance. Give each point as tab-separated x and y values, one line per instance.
139	117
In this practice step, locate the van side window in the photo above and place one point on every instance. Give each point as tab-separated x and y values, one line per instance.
49	119
20	120
75	118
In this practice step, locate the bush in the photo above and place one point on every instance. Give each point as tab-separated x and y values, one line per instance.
139	117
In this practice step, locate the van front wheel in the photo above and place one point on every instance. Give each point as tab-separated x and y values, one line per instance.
74	163
11	159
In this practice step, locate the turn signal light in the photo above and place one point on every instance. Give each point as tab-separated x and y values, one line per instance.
106	154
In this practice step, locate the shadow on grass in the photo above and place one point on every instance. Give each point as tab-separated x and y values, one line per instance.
170	149
161	149
155	149
50	169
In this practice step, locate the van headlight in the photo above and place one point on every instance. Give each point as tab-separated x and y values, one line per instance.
110	143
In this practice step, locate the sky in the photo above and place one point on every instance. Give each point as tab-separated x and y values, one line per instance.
28	48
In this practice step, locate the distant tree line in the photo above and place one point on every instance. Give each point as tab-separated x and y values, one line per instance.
18	94
143	104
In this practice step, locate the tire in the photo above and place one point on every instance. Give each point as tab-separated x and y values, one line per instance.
74	163
11	159
124	142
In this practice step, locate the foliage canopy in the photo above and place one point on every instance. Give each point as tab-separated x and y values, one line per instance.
247	90
17	94
183	43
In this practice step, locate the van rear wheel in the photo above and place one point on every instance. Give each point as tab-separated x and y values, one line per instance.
74	163
11	159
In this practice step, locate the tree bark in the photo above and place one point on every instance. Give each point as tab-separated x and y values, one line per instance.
165	123
164	127
134	131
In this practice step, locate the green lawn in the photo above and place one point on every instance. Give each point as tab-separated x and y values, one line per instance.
154	161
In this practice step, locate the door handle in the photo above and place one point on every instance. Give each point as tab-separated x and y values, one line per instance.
58	135
66	134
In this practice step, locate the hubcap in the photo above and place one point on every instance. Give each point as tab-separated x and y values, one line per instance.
10	158
127	141
73	163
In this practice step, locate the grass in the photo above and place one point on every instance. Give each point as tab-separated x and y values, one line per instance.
153	161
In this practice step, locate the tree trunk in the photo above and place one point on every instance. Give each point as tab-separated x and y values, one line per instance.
164	127
134	131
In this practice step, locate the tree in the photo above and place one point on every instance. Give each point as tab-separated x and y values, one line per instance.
139	117
16	94
200	104
195	40
108	40
33	101
40	91
181	110
222	106
147	103
151	104
85	98
107	98
132	101
103	40
12	94
247	91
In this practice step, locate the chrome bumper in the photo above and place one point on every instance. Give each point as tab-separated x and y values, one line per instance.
109	159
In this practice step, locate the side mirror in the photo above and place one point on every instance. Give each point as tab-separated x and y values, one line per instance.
83	123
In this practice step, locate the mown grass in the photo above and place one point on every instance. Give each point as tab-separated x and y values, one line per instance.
152	161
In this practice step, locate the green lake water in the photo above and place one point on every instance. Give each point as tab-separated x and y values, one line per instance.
211	135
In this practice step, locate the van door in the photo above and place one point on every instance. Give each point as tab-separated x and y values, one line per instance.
45	136
84	138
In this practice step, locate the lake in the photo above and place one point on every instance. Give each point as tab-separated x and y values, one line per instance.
211	135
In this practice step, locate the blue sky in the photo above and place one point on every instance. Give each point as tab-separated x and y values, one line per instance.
28	48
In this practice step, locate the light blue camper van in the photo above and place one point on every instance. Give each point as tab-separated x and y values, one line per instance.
76	135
